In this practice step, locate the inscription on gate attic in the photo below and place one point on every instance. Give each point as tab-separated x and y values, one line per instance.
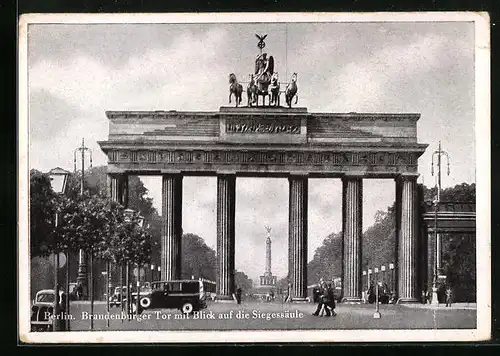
268	126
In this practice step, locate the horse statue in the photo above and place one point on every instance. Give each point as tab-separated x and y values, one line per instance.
274	87
291	91
235	88
252	91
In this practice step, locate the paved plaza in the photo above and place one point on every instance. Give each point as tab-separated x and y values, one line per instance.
278	316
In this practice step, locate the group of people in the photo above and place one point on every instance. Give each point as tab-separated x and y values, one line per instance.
326	300
448	296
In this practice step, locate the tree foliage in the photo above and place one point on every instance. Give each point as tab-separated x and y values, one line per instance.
241	280
327	260
42	213
198	259
379	240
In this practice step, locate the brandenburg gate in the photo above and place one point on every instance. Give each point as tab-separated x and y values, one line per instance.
273	141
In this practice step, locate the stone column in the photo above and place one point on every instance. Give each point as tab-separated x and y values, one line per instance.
407	241
352	224
117	189
431	258
297	236
171	227
226	193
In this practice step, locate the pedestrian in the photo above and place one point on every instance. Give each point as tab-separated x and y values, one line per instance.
79	290
448	296
289	293
330	301
238	295
322	300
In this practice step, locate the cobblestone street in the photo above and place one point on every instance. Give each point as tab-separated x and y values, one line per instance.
277	316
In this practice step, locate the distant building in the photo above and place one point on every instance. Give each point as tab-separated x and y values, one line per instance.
268	279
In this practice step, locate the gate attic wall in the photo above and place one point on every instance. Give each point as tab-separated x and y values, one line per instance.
262	142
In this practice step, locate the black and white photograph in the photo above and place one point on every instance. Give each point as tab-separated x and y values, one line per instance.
254	177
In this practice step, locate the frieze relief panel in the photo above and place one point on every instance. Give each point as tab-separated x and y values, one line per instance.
254	157
259	125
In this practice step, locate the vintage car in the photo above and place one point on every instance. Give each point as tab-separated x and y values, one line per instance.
187	295
43	308
115	298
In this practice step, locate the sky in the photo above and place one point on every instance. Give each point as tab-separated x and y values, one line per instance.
76	72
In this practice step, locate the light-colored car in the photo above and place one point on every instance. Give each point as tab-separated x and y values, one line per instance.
43	308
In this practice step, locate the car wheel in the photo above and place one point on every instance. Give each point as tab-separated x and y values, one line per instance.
187	308
145	302
134	308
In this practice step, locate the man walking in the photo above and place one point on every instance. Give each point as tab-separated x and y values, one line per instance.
448	296
238	295
322	300
330	301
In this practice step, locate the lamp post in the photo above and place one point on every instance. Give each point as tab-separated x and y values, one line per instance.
382	268
364	292
391	267
376	275
152	272
82	266
437	265
58	182
434	300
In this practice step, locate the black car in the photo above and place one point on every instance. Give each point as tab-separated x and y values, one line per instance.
186	295
42	309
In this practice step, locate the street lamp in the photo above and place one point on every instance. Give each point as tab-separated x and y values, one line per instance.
367	285
382	268
82	264
391	267
58	181
434	300
376	275
437	265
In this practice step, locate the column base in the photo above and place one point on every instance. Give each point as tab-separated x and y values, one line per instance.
351	300
435	299
225	299
407	301
299	300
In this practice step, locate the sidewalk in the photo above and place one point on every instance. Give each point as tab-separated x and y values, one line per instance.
442	306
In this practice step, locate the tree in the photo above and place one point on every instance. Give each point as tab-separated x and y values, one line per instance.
459	250
241	280
42	213
198	259
327	260
379	240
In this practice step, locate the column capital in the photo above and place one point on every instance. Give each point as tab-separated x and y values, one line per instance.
117	175
225	173
407	177
298	174
353	175
169	171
